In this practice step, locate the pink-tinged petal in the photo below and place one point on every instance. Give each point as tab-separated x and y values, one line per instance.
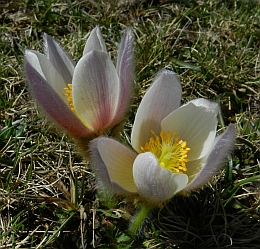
195	123
113	163
163	97
95	41
125	71
43	66
222	147
53	106
59	59
95	88
153	182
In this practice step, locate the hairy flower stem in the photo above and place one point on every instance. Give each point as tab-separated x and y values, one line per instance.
139	219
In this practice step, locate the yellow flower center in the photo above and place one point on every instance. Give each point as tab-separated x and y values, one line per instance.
170	151
68	94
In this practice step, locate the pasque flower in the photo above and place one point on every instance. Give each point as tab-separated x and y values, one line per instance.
88	98
175	148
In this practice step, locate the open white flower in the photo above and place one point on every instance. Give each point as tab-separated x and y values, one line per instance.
176	148
88	98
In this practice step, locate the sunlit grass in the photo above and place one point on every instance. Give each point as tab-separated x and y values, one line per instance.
48	194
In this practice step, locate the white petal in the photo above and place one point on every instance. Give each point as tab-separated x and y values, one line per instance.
43	66
59	59
117	162
163	97
95	42
156	183
221	149
95	89
195	124
211	106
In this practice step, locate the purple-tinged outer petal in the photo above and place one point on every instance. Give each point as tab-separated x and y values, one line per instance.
194	167
43	66
95	88
95	41
125	71
153	182
163	97
59	59
222	147
113	163
34	58
53	105
195	123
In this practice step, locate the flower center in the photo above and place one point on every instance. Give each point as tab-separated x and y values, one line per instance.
68	94
170	151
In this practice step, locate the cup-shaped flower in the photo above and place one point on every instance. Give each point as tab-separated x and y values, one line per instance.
175	147
88	98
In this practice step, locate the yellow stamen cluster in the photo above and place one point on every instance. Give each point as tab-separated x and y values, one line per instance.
68	94
170	151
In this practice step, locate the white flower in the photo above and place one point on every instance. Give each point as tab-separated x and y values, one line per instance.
88	98
175	148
